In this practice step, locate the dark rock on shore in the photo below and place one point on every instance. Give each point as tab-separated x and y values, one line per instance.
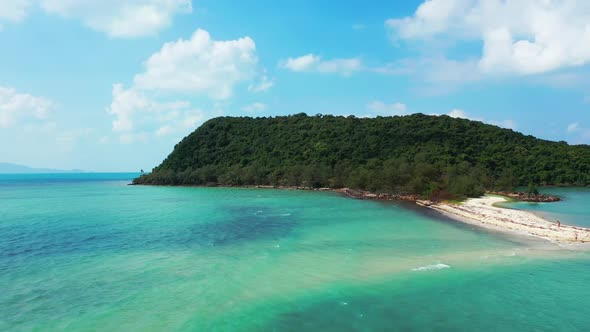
526	197
360	194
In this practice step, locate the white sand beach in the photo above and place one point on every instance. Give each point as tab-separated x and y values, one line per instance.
482	212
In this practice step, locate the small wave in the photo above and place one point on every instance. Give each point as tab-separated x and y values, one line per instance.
285	214
432	267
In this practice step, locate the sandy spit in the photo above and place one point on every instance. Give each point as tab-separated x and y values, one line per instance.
482	212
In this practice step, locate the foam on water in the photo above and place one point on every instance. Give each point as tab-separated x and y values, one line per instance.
438	266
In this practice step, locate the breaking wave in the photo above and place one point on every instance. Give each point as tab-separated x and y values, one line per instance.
432	267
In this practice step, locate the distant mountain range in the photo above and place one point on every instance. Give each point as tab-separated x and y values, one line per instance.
9	168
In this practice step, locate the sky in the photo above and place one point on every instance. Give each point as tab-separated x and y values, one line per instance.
113	85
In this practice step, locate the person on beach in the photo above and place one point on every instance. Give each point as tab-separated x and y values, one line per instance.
558	224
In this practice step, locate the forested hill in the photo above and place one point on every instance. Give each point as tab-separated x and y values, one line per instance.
416	154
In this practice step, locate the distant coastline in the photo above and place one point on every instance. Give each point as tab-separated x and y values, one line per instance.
10	168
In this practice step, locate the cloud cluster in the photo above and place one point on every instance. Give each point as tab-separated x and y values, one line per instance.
158	101
314	63
119	19
518	36
139	116
19	108
461	114
200	65
263	84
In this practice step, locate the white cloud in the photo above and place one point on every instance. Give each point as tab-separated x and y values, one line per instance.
200	65
137	114
124	106
17	108
314	63
159	101
13	10
123	19
164	130
573	127
302	63
264	84
255	107
381	108
459	114
518	36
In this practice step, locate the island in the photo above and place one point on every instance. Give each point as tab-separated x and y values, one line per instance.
436	159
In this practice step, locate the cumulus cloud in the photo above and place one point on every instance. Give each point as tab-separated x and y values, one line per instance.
118	19
137	115
122	19
200	65
380	108
18	108
264	84
157	103
459	114
518	36
314	63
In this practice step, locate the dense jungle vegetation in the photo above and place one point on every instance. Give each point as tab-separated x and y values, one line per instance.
415	154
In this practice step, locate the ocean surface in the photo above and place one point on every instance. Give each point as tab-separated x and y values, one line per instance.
87	252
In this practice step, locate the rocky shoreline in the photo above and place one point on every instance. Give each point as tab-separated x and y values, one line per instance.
526	197
360	194
368	195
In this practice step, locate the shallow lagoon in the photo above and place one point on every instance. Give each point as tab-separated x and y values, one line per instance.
573	210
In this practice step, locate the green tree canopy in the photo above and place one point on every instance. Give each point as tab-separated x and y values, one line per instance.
416	154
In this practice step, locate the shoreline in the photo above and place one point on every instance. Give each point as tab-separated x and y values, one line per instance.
482	212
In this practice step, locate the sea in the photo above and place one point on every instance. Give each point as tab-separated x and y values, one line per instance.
88	252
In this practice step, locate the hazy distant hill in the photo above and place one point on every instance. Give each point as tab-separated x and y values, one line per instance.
416	154
9	168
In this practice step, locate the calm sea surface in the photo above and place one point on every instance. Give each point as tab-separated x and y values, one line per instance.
574	209
86	252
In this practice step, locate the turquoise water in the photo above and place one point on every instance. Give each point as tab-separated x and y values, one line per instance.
87	252
573	210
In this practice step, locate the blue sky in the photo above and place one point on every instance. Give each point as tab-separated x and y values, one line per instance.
107	85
